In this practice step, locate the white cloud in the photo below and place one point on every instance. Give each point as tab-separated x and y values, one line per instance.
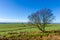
12	20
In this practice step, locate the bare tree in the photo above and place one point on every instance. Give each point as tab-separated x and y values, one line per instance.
41	18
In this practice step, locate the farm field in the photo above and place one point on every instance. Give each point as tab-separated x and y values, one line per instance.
4	28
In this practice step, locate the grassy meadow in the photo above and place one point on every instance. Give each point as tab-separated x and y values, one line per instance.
18	31
4	28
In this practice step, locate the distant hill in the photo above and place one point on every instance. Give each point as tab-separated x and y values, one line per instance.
19	22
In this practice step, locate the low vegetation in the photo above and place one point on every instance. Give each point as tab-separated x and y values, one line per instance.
28	32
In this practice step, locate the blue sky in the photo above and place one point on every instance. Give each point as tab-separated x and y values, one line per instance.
18	10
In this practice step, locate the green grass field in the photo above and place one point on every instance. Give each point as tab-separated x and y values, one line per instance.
4	28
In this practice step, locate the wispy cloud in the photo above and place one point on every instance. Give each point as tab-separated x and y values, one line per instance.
12	20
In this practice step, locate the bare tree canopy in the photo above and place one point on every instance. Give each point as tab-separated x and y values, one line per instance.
41	18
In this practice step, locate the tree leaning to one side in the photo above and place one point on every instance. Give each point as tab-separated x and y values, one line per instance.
41	18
